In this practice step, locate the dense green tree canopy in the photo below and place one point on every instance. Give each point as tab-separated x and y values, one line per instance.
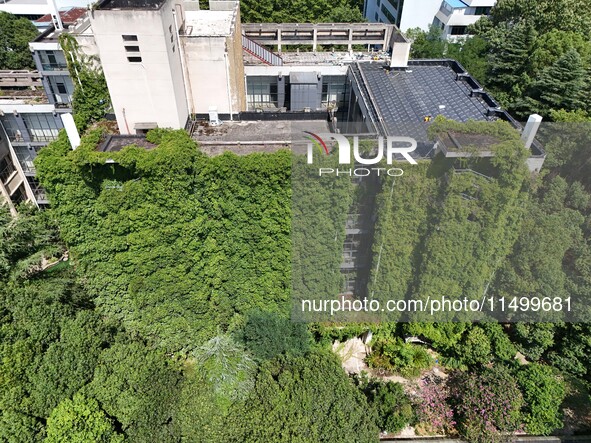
15	35
304	399
302	11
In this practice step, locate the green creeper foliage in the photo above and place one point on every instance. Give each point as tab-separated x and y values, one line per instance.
91	100
189	243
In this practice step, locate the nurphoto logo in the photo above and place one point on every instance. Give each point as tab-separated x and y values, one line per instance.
392	145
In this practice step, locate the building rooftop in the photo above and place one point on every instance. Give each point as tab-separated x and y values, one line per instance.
246	137
130	4
407	99
208	23
68	17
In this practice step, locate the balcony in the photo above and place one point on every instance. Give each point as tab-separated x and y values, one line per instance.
54	66
7	171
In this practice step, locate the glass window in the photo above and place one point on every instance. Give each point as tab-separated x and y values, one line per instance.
262	92
41	127
483	10
25	157
52	60
11	128
458	30
134	59
388	14
132	48
129	38
334	88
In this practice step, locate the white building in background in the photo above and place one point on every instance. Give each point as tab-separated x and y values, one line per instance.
35	9
452	16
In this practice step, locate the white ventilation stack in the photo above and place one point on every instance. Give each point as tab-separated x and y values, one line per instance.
531	129
214	119
71	130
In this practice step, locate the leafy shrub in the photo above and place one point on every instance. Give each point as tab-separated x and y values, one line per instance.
393	407
397	356
543	393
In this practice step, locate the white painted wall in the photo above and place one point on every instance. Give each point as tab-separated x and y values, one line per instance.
418	14
206	65
146	92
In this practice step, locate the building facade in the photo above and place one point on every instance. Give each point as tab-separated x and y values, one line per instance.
452	16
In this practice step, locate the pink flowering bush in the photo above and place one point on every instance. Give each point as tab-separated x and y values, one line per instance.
434	414
487	405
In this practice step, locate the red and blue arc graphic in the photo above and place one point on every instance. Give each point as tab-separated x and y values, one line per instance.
318	142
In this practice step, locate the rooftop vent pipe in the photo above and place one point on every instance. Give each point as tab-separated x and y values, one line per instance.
531	129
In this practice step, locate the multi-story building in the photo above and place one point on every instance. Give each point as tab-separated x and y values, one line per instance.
452	16
168	64
28	121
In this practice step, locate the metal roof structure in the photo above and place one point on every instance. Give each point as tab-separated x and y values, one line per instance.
407	99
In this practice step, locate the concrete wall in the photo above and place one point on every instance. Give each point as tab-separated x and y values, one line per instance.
418	14
236	59
150	91
208	66
215	70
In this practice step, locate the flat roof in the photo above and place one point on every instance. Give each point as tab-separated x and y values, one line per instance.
246	137
406	98
208	23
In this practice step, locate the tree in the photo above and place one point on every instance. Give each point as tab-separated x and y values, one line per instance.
303	399
227	367
138	387
80	421
543	393
199	416
562	84
426	44
15	35
510	50
268	335
392	405
475	348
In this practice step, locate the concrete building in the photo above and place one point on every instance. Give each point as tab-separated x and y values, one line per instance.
452	16
27	123
168	64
